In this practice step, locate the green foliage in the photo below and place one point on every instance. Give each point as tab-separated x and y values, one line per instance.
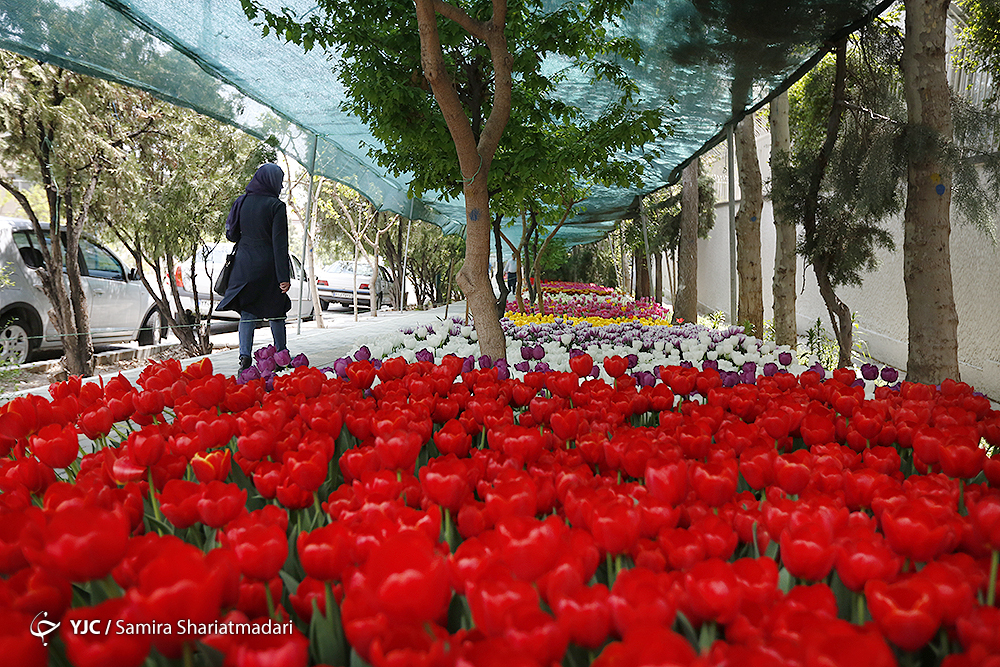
431	255
590	263
552	151
863	181
664	208
980	37
821	344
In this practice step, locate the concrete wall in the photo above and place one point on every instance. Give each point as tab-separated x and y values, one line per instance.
880	303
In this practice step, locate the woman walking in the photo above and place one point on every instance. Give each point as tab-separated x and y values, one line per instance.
261	277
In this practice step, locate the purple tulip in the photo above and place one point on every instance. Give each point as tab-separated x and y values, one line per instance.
860	382
890	374
633	360
770	369
340	367
485	361
750	367
818	369
784	358
869	371
425	355
527	352
266	366
269	383
283	357
522	366
468	364
503	372
729	379
363	354
377	364
248	374
538	352
264	353
710	364
299	359
542	367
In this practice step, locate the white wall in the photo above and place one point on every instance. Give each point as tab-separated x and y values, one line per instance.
880	303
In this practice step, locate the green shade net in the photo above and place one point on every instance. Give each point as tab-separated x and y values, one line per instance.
708	62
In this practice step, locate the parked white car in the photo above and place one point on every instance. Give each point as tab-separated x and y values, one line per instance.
121	309
336	284
208	264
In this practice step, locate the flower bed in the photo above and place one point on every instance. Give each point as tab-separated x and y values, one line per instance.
416	514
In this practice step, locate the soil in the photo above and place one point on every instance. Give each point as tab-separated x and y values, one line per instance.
41	376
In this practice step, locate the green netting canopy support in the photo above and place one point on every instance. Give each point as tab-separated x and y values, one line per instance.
707	62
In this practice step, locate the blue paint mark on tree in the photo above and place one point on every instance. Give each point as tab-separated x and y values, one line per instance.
474	214
939	188
753	218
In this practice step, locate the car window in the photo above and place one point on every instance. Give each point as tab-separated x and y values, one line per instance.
33	254
100	263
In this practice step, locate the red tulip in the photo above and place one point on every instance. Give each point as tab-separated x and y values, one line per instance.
99	533
907	612
220	503
409	578
807	550
113	647
261	550
920	529
325	553
639	597
56	446
585	615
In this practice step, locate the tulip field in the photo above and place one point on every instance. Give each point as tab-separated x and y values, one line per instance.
618	492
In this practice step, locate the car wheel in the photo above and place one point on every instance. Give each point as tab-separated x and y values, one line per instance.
151	331
15	345
324	305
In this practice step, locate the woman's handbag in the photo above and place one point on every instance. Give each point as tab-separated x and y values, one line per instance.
222	282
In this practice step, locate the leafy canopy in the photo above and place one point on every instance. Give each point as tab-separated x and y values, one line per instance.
552	151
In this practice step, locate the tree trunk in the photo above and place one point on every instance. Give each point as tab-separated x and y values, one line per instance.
501	302
310	258
930	300
783	282
751	297
474	156
658	277
641	273
840	316
686	304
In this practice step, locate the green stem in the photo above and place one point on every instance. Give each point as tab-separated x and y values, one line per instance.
270	601
188	655
992	590
154	502
859	609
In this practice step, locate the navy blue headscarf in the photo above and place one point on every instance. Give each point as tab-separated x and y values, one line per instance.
266	182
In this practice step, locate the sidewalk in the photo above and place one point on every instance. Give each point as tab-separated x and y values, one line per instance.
321	346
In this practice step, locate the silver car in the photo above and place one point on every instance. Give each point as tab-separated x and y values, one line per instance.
336	284
121	309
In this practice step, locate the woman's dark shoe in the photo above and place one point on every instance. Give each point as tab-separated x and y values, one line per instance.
245	362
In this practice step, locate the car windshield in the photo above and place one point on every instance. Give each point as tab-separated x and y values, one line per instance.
347	266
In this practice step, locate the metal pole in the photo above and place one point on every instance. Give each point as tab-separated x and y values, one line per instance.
402	284
645	241
305	236
733	277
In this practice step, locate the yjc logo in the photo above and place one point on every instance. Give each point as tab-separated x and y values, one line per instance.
42	628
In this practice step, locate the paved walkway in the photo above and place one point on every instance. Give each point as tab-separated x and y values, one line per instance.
321	346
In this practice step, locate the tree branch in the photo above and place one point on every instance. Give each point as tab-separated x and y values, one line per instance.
459	16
